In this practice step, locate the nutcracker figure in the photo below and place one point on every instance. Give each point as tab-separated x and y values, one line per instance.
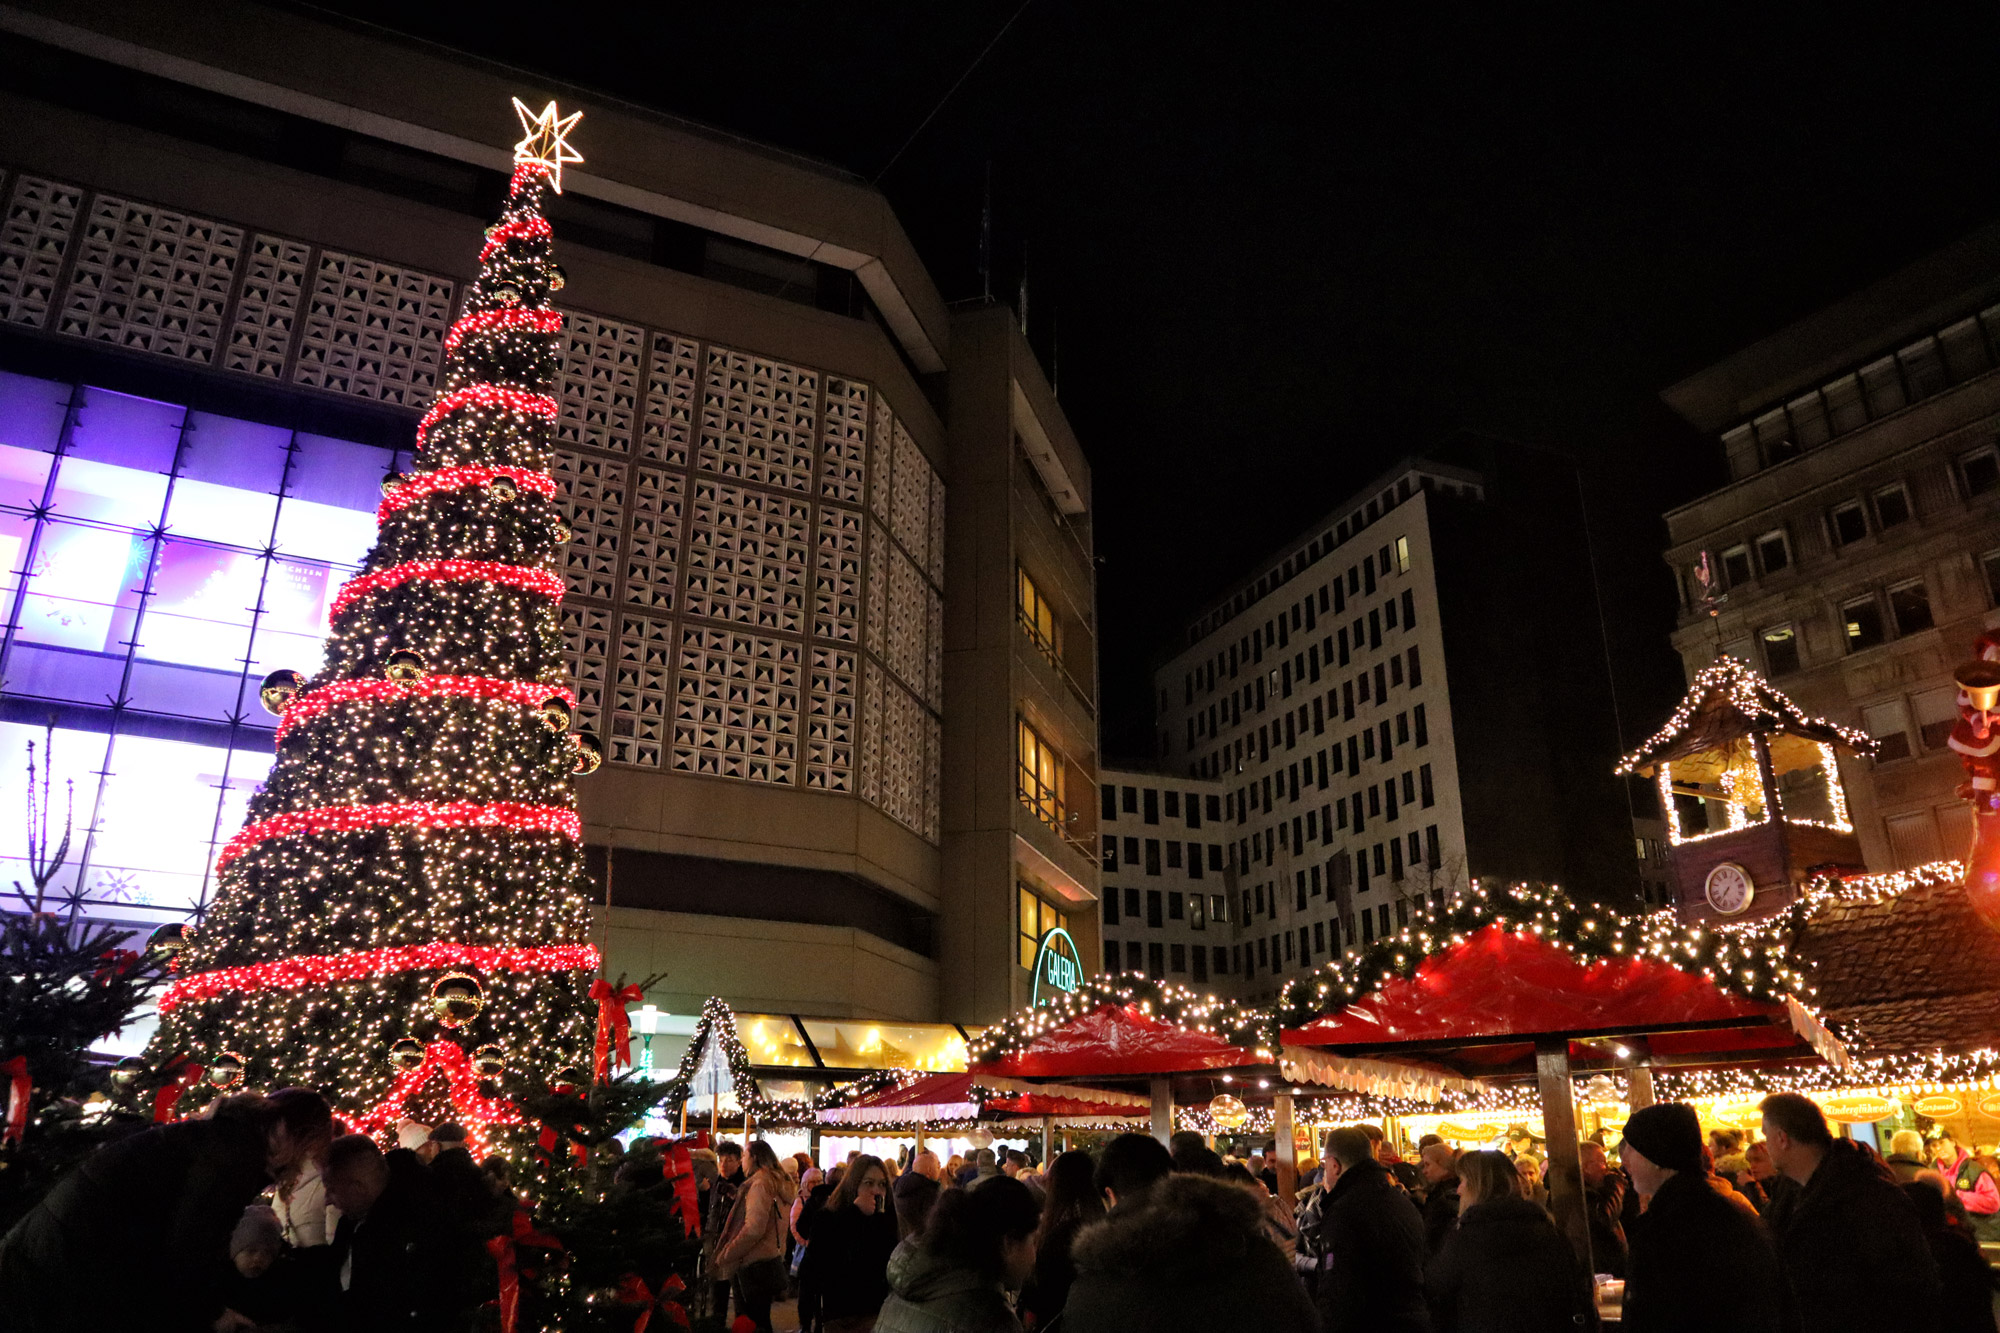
1976	738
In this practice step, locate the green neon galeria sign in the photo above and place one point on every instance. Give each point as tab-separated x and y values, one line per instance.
1058	967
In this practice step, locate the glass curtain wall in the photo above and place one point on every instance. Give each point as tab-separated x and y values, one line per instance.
155	564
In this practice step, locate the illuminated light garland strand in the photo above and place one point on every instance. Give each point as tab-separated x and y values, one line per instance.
1761	704
1753	967
1240	1025
513	816
484	689
283	974
533	228
448	571
488	395
423	485
504	319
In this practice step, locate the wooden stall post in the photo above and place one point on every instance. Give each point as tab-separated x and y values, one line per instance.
1288	1151
1048	1139
1565	1174
1163	1109
1639	1086
920	1142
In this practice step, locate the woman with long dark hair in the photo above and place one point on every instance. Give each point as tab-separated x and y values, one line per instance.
752	1249
1072	1203
847	1261
978	1243
1506	1267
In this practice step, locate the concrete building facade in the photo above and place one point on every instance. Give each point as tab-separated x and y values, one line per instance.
1373	752
1855	553
803	492
1168	896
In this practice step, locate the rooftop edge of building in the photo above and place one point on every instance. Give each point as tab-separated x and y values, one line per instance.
1925	294
393	87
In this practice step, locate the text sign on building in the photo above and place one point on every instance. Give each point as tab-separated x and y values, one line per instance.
1058	967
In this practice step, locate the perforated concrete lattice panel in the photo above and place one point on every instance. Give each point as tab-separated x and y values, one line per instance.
736	705
267	306
652	556
758	420
39	226
374	330
151	279
668	426
599	386
747	554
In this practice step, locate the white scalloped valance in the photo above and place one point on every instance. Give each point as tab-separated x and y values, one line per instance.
1379	1078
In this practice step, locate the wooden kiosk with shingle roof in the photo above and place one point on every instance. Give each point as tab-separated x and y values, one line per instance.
1751	788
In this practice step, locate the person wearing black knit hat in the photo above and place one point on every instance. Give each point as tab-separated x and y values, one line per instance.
1696	1260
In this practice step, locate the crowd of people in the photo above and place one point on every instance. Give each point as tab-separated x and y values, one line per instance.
262	1216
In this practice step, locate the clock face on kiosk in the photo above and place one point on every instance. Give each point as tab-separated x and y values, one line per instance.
1729	889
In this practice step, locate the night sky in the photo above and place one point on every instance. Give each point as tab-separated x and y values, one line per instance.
1270	256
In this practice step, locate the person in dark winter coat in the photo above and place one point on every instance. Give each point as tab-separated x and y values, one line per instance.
1604	1192
138	1230
1372	1280
1964	1273
400	1264
1506	1269
1070	1203
847	1261
1848	1236
954	1278
1439	1165
915	1191
1697	1260
1189	1255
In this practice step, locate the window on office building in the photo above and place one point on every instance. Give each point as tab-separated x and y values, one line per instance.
1850	523
1910	604
1861	620
1892	506
1980	470
1781	649
1774	551
1038	618
1040	777
1037	919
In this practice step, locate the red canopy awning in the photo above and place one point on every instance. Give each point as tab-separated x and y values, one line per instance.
946	1097
1114	1040
1500	983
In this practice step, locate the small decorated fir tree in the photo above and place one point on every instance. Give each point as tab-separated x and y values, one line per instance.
403	919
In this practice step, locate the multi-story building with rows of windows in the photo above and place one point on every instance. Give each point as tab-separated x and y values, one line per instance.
1402	701
1855	553
806	498
1169	885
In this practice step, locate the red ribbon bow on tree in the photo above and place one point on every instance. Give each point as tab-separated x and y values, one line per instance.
18	1090
165	1099
505	1259
613	1023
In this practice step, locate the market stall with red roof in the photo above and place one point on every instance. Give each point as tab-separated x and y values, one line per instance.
1518	983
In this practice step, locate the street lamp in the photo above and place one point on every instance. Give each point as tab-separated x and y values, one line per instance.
649	1023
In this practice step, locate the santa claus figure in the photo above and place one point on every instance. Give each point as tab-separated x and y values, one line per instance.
1976	736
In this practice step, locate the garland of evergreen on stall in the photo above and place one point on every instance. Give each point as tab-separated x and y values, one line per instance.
718	1020
1747	966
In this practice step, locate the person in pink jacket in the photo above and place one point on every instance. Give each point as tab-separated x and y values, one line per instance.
1973	1183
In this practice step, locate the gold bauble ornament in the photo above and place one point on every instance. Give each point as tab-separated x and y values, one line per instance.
126	1072
556	714
557	278
278	690
502	489
563	533
169	939
457	998
1227	1112
391	483
489	1061
225	1071
589	754
407	1053
405	666
506	295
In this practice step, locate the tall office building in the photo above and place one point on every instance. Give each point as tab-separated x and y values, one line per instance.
1169	885
1855	553
804	494
1406	697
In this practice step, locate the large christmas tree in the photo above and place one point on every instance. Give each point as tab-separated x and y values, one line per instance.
402	920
